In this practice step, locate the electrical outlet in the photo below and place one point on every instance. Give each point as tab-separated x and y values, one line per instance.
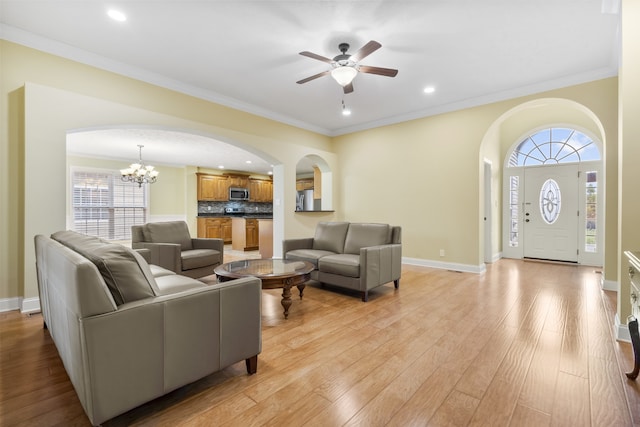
441	252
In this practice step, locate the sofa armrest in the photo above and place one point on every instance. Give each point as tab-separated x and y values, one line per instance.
145	253
166	255
240	316
293	244
149	347
380	264
207	243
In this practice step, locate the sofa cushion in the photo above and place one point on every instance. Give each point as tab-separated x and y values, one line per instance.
169	232
341	264
330	236
125	272
172	283
311	255
77	241
158	271
196	258
362	235
122	272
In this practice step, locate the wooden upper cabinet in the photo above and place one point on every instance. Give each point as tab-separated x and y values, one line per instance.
213	188
304	184
238	181
260	190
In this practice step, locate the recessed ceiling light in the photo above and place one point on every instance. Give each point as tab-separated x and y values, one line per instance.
429	89
116	15
346	112
270	172
220	166
248	162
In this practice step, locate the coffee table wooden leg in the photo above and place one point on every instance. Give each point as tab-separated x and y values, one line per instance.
286	299
301	289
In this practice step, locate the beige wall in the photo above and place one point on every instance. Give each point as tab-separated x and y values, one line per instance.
425	175
44	97
629	196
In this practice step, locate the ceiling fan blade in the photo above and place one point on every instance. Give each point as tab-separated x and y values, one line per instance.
348	88
315	76
365	51
389	72
316	56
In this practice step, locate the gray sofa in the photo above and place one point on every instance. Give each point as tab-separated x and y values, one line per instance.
128	332
357	256
172	247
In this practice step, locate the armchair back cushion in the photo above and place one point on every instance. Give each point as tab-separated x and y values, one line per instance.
168	232
362	235
330	236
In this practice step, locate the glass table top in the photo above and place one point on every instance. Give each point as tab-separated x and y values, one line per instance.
264	268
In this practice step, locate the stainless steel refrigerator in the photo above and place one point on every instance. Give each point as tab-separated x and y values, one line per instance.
304	200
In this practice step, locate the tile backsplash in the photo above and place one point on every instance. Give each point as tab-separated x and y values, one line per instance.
248	207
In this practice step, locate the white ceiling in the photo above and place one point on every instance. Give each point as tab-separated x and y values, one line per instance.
244	54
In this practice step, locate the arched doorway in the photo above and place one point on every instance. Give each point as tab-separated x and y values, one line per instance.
553	204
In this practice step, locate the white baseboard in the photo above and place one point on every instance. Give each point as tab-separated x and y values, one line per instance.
25	305
30	305
9	304
609	285
466	268
622	331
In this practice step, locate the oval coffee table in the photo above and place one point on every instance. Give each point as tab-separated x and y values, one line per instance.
274	273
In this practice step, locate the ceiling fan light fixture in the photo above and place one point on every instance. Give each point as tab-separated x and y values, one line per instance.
344	74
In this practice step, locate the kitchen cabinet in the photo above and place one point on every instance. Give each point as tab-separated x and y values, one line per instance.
213	188
265	240
226	230
260	190
238	181
304	184
245	234
215	228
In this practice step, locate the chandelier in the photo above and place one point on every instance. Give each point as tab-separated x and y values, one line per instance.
139	172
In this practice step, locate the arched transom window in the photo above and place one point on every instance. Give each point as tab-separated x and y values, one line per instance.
553	146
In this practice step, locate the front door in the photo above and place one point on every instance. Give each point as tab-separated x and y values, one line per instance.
551	212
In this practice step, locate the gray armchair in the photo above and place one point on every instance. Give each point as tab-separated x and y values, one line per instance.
171	246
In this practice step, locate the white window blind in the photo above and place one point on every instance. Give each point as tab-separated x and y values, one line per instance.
105	206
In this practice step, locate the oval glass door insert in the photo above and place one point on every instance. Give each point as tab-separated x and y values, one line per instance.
550	201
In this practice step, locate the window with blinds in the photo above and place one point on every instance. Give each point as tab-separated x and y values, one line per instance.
105	206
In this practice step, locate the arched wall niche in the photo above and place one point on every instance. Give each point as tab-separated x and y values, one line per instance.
314	185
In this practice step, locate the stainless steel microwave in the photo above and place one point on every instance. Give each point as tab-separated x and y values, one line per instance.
238	193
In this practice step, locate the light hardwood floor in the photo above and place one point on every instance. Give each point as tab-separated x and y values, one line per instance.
523	344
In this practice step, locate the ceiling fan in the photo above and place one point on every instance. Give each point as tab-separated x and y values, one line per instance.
345	67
